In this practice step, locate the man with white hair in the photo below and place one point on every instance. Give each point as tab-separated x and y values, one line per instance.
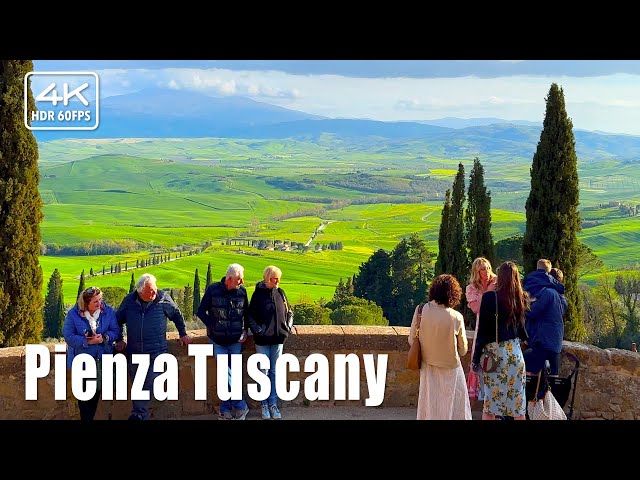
145	311
224	309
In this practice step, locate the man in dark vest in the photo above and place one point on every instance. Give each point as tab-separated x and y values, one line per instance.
224	310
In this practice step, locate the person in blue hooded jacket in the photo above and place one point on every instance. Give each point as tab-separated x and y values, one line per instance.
145	311
544	320
90	327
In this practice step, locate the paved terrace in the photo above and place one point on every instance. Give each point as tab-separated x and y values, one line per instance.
608	384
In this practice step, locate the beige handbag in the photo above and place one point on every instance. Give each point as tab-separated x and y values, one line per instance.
414	357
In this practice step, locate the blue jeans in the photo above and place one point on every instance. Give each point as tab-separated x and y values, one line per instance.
273	352
233	349
141	407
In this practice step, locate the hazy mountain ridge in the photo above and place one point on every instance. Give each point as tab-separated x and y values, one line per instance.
163	113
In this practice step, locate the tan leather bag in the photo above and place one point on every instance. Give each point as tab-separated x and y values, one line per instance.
414	357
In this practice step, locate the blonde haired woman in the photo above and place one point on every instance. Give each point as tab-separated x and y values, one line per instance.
271	321
90	327
481	280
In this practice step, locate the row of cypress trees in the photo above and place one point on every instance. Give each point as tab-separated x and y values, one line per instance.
552	214
464	235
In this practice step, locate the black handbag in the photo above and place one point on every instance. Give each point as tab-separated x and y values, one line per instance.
488	359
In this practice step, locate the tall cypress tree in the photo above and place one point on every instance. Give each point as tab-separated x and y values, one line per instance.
208	275
459	259
21	301
552	207
196	292
187	304
444	248
51	307
81	284
61	314
478	217
132	285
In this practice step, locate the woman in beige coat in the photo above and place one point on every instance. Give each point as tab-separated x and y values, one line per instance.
443	340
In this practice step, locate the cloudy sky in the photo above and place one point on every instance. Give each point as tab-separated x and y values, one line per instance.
601	95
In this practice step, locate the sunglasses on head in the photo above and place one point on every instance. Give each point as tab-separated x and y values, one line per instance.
92	290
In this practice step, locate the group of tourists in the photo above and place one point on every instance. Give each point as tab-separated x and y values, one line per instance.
519	323
94	328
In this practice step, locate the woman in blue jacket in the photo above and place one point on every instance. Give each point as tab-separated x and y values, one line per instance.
90	327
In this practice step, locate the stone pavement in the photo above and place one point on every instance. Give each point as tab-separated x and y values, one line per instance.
335	413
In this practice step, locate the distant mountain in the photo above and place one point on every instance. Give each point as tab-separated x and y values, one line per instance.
313	129
453	122
164	113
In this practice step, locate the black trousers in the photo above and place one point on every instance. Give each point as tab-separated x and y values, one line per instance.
88	407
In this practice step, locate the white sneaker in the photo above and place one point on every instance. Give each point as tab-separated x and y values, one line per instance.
275	413
241	414
266	414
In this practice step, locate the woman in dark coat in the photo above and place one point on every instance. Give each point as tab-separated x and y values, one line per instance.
270	320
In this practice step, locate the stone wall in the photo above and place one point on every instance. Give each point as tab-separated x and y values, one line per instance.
608	382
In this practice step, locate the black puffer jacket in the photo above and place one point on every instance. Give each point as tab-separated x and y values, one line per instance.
224	312
270	315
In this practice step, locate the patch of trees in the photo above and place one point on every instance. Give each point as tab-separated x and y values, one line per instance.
397	280
287	184
330	246
364	182
343	309
96	247
113	296
611	310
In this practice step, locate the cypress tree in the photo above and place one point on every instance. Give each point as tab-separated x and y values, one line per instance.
61	314
553	220
187	304
51	306
208	275
444	250
81	285
103	272
132	285
478	217
21	301
91	272
196	292
459	259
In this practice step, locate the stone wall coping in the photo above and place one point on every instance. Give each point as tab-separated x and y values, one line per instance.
356	337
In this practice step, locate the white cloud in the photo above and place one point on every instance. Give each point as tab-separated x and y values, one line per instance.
607	103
